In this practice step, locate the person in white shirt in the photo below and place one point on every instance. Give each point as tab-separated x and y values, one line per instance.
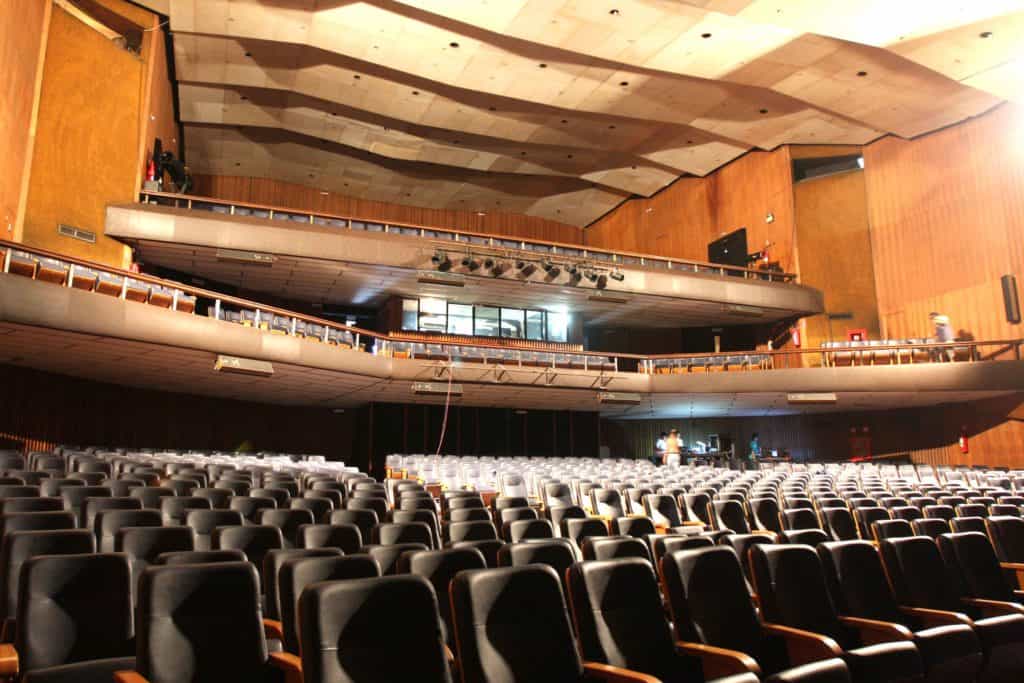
673	449
659	448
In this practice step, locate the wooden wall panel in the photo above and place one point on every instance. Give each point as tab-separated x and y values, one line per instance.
947	220
835	254
23	31
86	148
680	220
44	409
158	114
288	195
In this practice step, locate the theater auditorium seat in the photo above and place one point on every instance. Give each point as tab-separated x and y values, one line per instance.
790	583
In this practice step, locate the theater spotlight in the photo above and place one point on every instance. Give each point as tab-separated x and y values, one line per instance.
602	281
525	268
575	276
551	269
441	261
591	275
497	268
572	268
617	276
470	263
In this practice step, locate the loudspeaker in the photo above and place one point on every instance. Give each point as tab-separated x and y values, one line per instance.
1010	300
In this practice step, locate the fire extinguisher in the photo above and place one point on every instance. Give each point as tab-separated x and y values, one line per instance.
794	333
964	446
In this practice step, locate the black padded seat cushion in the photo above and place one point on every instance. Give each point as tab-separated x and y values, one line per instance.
95	671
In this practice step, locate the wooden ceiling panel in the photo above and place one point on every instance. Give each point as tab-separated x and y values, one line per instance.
561	108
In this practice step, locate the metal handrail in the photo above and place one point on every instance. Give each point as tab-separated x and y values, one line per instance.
617	258
646	362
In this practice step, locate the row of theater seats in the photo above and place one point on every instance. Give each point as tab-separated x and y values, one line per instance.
480	354
46	269
279	324
339	609
842	353
717	363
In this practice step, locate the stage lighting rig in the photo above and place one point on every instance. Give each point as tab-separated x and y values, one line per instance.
441	261
617	276
470	263
551	269
525	268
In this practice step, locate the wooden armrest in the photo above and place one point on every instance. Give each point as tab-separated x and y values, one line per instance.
936	617
8	660
765	532
873	631
273	629
288	664
804	647
995	608
718	662
129	677
449	655
1017	568
592	671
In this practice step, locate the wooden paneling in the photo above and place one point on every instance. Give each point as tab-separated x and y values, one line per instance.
289	195
947	220
158	112
835	254
43	410
23	31
925	434
682	219
86	148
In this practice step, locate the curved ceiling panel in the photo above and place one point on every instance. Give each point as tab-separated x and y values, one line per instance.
562	108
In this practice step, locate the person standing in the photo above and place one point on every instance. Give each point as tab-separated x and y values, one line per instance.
755	448
673	449
943	332
659	448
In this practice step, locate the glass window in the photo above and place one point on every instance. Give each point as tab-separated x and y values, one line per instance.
410	314
535	325
460	319
433	315
486	321
558	327
512	323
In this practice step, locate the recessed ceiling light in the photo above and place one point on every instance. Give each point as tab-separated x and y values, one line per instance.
611	127
689	142
613	12
453	44
311	175
543	66
415	92
238	163
323	192
492	108
455	142
244	98
862	74
624	83
356	76
568	156
565	121
633	167
705	35
248	54
523	153
985	34
763	111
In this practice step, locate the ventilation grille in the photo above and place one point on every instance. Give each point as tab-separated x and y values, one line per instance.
76	233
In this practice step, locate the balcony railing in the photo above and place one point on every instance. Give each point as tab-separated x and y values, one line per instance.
535	249
68	271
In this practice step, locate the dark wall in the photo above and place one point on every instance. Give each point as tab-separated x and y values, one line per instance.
41	410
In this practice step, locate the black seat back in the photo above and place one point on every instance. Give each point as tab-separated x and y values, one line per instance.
20	546
203	522
200	557
579	530
174	509
619	616
255	541
839	524
613	547
109	522
729	515
891	528
856	581
345	537
36	521
1007	535
270	572
355	619
364	519
471	531
288	521
144	544
439	567
387	556
511	625
297	572
200	623
74	608
971	559
933	527
765	514
638	527
917	574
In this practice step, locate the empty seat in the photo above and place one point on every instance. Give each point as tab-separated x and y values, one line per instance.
563	513
512	626
939	512
110	522
662	545
471	515
663	511
859	588
971	560
471	531
288	521
529	528
320	508
203	522
867	516
94	506
255	541
967	524
345	537
839	524
621	622
280	496
891	528
269	569
791	586
439	567
607	503
298	572
251	508
930	526
41	504
906	512
489	549
765	515
378	506
971	510
174	510
387	556
613	547
579	530
1007	536
19	491
796	519
143	545
202	623
638	527
915	570
411	532
199	557
557	553
76	498
35	521
150	495
219	499
730	516
75	618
